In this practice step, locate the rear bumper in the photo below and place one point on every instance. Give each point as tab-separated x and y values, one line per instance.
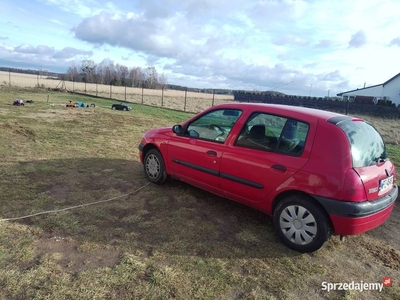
350	218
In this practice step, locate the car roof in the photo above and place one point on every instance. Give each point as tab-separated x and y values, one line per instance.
301	111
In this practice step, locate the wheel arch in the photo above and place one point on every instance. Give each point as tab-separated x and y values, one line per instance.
287	193
148	147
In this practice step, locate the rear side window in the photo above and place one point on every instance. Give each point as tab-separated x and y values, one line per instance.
367	146
273	133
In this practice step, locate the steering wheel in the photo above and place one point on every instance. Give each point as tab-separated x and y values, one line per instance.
219	129
215	127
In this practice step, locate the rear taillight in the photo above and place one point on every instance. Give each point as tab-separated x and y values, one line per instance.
353	189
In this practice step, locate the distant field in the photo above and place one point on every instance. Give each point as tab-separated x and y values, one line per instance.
179	100
144	241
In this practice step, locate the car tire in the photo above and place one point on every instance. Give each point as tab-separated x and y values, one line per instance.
92	105
301	224
125	109
154	167
113	107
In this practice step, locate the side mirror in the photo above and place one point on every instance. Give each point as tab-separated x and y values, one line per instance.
177	129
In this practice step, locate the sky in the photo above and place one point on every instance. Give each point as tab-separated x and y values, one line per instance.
299	47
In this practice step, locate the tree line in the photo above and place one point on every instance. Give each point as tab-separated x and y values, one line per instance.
118	75
115	74
29	71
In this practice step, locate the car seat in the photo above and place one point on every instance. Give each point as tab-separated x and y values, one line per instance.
255	138
289	139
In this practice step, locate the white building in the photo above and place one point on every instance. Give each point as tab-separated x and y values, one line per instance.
389	90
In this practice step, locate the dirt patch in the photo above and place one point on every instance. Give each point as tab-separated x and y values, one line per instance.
27	132
76	256
387	232
389	256
59	192
51	114
5	126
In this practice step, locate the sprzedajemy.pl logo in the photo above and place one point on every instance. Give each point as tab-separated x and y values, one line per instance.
356	286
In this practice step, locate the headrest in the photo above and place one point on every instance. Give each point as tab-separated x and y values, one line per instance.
257	131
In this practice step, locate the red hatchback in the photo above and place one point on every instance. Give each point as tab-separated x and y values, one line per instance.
316	172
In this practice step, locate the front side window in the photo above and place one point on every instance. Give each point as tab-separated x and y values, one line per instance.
214	126
273	133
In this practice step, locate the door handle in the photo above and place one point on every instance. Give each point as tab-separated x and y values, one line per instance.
211	153
279	167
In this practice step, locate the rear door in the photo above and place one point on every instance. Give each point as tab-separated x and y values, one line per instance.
369	158
267	152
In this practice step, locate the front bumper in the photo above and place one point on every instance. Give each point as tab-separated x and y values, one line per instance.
141	147
350	218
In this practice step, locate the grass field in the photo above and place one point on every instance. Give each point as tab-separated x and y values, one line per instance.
146	241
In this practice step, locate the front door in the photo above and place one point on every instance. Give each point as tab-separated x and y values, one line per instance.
196	154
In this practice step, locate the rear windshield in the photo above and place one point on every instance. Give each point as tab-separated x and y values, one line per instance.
367	146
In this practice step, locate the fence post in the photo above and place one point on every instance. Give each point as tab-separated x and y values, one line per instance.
9	78
125	93
142	94
162	97
110	91
184	107
37	79
96	88
213	97
85	87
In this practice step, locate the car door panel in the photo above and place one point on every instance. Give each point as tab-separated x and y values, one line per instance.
195	161
250	175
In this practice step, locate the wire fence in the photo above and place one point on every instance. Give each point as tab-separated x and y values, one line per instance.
185	100
189	101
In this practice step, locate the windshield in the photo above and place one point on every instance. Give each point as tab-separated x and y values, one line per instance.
367	146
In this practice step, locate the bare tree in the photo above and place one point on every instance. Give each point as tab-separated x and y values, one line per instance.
151	78
162	80
99	74
123	73
137	77
72	74
110	73
87	69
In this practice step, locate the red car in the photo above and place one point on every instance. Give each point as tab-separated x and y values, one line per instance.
316	172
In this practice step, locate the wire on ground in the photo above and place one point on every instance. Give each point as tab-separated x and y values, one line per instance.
73	207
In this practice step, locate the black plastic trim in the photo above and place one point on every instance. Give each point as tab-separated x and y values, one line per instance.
358	209
217	173
242	181
141	147
196	167
336	120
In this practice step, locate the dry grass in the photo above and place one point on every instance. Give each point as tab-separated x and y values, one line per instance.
389	129
162	242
